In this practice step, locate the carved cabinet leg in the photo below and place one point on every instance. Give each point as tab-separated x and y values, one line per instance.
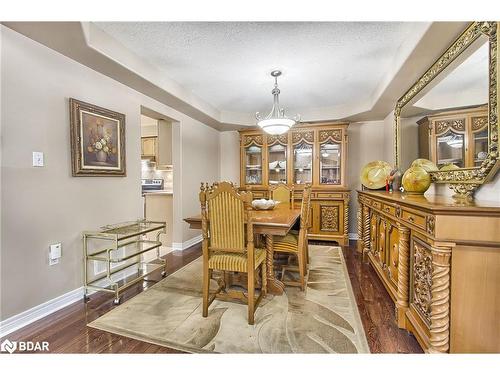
366	232
403	275
346	219
440	300
360	228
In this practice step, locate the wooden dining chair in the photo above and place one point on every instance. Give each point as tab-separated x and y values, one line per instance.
296	243
282	192
228	245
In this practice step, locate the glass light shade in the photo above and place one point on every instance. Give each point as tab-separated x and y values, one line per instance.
276	126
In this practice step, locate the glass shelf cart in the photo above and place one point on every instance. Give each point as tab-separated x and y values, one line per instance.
118	250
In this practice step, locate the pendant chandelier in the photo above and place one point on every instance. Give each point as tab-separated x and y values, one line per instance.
276	122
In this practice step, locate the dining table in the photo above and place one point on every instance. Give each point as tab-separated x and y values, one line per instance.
274	222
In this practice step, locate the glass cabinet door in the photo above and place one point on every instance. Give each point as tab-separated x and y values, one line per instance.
302	163
330	163
253	165
450	149
479	142
277	164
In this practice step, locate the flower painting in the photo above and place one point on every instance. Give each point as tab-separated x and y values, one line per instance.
98	140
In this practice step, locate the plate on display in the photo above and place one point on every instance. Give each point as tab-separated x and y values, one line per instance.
374	174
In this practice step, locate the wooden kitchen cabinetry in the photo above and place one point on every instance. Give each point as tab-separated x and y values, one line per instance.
148	147
315	154
159	148
440	263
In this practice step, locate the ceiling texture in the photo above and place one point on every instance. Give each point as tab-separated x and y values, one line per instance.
219	72
227	64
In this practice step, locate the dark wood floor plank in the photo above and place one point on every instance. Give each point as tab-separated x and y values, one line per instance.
67	332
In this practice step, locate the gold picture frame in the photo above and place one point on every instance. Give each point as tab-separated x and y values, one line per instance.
464	181
97	140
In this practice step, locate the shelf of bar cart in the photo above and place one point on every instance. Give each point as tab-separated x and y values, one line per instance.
120	247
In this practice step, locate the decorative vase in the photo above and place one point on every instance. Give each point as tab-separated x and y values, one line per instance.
101	156
416	180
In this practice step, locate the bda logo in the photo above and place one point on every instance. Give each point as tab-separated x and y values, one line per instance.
8	346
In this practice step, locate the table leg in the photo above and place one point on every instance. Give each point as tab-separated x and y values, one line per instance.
274	286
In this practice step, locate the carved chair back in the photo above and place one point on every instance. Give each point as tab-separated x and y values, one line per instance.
224	214
305	208
282	192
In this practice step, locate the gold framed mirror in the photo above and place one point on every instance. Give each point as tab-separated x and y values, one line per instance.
452	111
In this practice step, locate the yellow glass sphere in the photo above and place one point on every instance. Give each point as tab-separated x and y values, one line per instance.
416	180
428	165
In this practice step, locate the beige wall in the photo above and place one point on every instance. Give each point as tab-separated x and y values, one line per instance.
200	162
45	205
409	141
230	156
366	143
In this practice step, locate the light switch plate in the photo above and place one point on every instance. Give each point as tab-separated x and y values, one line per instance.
37	159
55	253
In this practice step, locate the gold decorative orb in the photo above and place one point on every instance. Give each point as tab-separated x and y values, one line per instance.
428	165
448	167
374	174
416	180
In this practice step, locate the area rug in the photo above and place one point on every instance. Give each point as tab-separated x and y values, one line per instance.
322	319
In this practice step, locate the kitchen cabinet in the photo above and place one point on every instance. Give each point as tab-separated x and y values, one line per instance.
159	148
148	147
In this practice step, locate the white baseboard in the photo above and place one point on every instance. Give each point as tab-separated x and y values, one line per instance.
187	244
20	320
353	236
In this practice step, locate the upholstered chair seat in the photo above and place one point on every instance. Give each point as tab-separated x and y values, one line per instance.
235	262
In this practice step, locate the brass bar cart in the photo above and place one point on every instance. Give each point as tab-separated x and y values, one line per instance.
120	247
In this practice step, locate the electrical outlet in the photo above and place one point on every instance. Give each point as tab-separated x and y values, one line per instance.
55	253
37	159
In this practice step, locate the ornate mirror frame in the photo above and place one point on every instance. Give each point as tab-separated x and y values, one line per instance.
463	181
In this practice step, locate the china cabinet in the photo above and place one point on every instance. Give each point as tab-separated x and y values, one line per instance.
440	263
455	137
315	154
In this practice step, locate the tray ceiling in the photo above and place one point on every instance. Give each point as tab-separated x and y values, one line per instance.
227	64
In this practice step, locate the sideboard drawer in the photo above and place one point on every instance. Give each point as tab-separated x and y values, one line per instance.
377	205
389	209
413	218
323	195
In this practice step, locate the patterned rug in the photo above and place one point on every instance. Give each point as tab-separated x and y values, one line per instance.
323	319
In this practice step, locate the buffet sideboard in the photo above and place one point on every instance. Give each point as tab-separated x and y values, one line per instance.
440	262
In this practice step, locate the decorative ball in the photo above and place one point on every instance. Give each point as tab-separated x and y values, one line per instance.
448	167
416	180
428	165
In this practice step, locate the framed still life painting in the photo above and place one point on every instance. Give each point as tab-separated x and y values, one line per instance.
97	140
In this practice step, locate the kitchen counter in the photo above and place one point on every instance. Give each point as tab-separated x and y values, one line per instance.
158	192
158	206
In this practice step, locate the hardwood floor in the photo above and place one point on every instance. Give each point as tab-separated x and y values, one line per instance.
376	308
67	332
